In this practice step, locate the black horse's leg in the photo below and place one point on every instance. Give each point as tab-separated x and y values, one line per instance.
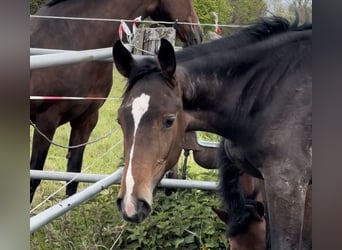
268	237
81	129
307	223
40	148
285	187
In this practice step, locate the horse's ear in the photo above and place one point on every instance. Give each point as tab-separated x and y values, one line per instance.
122	58
167	58
223	215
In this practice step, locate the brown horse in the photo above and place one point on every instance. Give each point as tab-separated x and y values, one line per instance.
89	78
254	236
244	93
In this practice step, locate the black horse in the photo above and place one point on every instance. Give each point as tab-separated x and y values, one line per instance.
90	78
257	94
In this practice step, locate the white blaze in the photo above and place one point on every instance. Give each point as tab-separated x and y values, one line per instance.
139	107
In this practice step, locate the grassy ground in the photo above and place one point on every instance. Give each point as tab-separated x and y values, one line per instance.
183	220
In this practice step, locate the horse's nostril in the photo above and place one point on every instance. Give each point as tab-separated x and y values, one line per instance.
136	211
118	203
144	207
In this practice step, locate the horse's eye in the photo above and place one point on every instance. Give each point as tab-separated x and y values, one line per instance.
168	122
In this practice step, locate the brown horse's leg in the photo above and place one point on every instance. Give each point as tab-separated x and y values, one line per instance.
40	148
285	187
81	129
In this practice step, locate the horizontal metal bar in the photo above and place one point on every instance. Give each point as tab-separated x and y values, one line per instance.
80	177
40	51
62	58
66	176
178	183
44	58
64	206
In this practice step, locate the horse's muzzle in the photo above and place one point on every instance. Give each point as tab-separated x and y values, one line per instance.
193	40
141	209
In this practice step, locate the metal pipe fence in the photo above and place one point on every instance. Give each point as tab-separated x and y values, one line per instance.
70	57
91	178
45	58
64	206
101	182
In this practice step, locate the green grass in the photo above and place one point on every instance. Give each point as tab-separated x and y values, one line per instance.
183	220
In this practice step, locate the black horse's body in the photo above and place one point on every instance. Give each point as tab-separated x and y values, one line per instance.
89	79
257	95
264	107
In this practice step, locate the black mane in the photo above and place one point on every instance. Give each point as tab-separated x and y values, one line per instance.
53	2
260	30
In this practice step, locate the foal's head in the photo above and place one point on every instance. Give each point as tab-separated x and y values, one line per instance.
254	238
153	127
